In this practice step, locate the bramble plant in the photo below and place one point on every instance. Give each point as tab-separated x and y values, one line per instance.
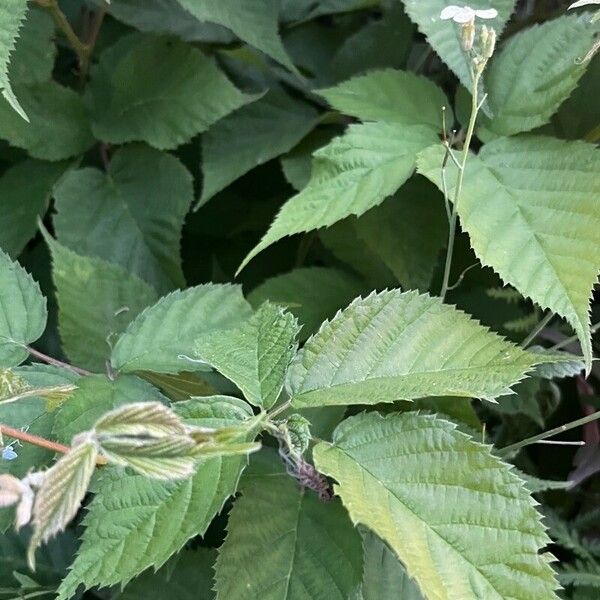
297	299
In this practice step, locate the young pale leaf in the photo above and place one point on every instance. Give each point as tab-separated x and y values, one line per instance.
12	15
135	523
312	294
384	576
142	90
131	215
534	73
255	355
96	301
352	174
444	36
95	396
58	127
162	338
407	232
530	208
25	190
253	22
391	96
259	132
402	346
283	543
60	495
23	312
482	541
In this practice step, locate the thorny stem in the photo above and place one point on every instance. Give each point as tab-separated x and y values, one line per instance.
55	362
537	329
574	338
41	442
507	450
475	105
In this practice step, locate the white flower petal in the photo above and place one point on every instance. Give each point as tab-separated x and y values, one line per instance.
581	3
450	12
23	513
466	15
487	13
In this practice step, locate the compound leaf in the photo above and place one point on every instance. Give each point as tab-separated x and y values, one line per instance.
483	541
530	207
402	346
162	338
131	215
283	543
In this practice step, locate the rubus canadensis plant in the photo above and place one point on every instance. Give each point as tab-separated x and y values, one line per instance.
297	299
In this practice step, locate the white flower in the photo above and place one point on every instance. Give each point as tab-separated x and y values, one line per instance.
581	3
466	14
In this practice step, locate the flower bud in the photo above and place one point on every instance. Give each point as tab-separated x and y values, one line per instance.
467	35
488	41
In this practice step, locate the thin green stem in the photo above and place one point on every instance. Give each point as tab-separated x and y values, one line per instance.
574	338
459	182
508	450
537	329
56	363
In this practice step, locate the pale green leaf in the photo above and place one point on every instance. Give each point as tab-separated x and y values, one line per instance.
283	543
58	126
23	312
94	397
35	51
254	355
12	15
482	541
162	338
259	132
390	95
158	90
131	215
559	364
253	22
384	576
61	493
312	294
534	73
407	232
350	175
180	386
96	302
444	36
530	207
401	346
135	523
25	190
190	577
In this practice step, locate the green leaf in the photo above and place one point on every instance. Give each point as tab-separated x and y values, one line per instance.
94	397
312	294
350	175
384	576
255	355
402	346
23	312
134	523
58	127
162	338
35	51
259	132
142	90
303	10
392	96
189	578
407	232
132	215
25	190
559	364
444	36
534	73
253	22
63	487
530	208
283	543
482	541
96	301
12	15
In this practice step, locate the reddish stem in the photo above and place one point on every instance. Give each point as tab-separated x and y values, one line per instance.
55	362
